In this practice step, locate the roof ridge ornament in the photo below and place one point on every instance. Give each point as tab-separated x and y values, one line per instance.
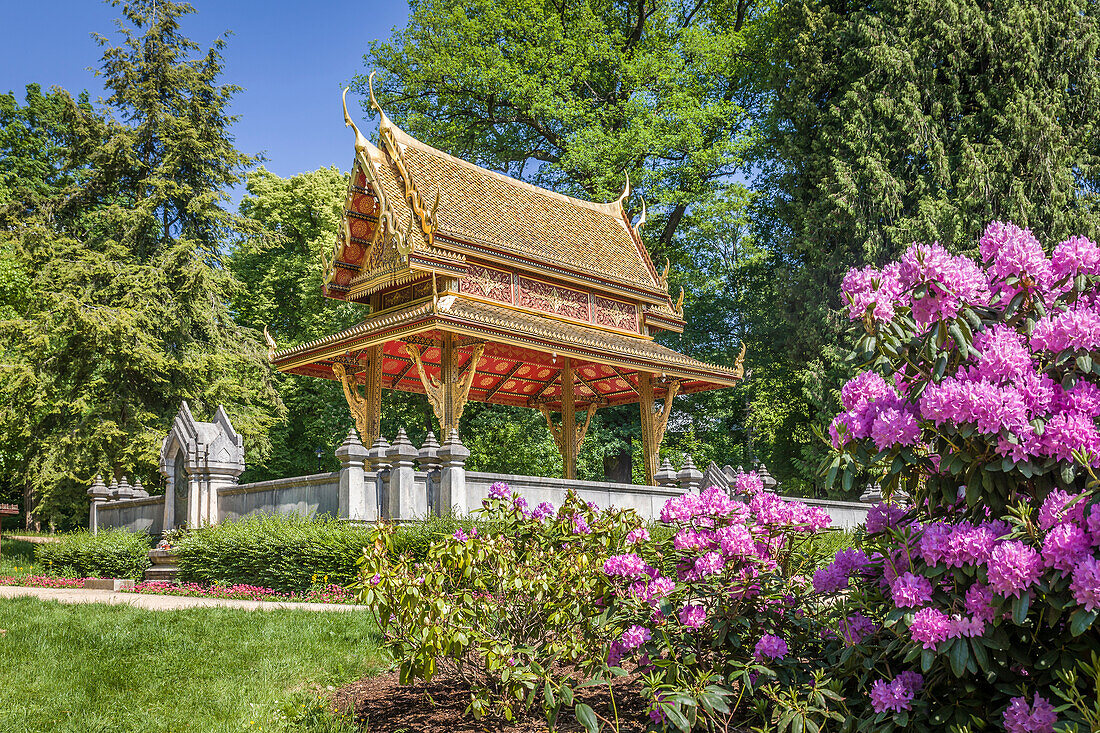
426	215
739	365
641	221
272	347
626	192
662	280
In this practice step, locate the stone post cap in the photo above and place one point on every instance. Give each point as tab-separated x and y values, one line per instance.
351	449
125	491
429	451
689	472
452	451
113	488
666	475
402	449
99	490
139	490
377	453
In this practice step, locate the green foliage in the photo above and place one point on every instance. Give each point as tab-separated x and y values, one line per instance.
292	554
286	552
896	122
116	308
112	553
244	670
532	610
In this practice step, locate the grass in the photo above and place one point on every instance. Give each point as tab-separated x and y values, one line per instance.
17	558
98	668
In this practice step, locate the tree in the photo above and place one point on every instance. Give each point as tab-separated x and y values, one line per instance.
896	122
127	313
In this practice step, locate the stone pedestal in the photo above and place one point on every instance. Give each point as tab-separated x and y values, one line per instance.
164	567
452	480
406	502
99	494
358	497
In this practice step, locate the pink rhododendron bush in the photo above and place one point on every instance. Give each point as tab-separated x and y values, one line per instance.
703	613
974	604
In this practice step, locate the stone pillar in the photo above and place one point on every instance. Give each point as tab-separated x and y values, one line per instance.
666	477
405	501
358	501
380	467
428	462
452	479
99	493
689	476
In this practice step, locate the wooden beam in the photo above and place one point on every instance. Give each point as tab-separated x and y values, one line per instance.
568	421
497	387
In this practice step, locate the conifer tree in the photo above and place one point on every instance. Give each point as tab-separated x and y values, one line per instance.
128	312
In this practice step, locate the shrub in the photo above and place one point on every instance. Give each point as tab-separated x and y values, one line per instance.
536	603
980	401
290	553
112	553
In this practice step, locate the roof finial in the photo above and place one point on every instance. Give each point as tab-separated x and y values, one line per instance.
271	346
679	307
374	102
625	193
641	221
361	143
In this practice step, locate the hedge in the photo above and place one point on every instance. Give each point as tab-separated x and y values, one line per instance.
112	553
291	553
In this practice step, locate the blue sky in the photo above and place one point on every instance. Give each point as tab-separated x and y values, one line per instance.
291	58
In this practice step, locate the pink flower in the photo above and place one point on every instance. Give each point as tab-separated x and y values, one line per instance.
1057	509
627	566
1064	546
856	628
1013	568
770	646
637	535
693	615
930	626
500	490
1086	583
710	564
881	517
1076	255
635	636
911	590
897	695
1037	718
979	602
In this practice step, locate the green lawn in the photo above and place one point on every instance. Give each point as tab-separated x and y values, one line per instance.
92	668
17	558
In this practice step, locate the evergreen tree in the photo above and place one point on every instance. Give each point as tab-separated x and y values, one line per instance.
897	121
127	311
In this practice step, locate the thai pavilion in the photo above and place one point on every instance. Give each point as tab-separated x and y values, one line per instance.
482	287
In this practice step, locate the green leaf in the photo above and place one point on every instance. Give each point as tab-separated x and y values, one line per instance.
1080	621
1019	609
586	717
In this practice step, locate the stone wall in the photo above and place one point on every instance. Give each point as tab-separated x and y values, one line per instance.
135	515
305	495
398	482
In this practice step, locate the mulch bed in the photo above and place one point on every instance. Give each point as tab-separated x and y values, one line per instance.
383	706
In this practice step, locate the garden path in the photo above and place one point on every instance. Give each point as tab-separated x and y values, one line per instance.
162	603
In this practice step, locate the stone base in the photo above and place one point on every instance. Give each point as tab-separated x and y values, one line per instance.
163	566
107	584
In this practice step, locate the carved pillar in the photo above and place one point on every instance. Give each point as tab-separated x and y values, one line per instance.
449	393
653	424
366	409
568	421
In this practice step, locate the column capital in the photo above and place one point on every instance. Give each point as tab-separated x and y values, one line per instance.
351	450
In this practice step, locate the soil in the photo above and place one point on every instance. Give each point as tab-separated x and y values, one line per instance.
382	705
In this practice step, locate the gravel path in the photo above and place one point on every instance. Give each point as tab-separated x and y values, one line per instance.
162	603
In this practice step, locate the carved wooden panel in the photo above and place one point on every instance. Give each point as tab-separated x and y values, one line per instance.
616	314
406	294
556	299
487	282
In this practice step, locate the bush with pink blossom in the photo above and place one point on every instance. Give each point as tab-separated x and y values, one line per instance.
703	611
977	407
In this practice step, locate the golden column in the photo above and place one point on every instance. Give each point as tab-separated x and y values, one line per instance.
653	423
366	409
